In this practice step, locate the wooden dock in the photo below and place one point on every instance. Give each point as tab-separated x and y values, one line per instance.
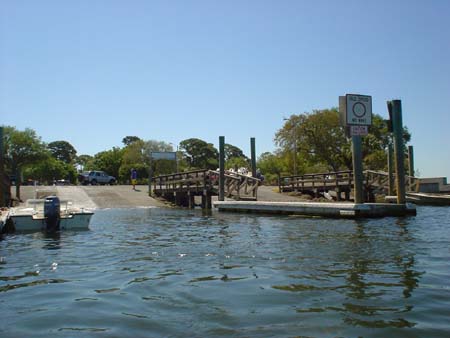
424	199
341	183
332	210
181	188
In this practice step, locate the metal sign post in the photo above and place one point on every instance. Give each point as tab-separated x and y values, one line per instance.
357	169
356	115
158	155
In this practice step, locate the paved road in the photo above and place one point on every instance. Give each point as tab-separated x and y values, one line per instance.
121	196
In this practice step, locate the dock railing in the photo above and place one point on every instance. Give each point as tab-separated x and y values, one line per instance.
203	181
316	181
374	180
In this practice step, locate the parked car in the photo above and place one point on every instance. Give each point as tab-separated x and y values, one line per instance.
95	177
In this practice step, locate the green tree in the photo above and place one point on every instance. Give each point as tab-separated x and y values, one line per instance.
85	162
233	151
50	169
271	164
234	157
160	167
137	155
321	143
199	154
109	161
236	162
22	148
318	138
63	151
127	140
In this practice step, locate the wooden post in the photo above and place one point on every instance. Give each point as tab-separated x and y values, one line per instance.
206	199
191	200
221	168
253	155
390	164
2	172
357	169
410	166
397	129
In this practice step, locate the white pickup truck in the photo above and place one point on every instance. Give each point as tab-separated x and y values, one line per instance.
96	177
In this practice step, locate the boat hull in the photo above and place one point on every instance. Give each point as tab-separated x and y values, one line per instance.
76	221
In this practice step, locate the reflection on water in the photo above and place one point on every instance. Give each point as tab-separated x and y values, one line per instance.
152	272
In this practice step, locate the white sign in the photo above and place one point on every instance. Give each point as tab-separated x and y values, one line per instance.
359	130
163	155
359	110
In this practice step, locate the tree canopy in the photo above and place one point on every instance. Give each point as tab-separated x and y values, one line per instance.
199	154
21	149
318	141
63	151
127	140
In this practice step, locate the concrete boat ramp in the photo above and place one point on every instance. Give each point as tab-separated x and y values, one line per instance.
334	210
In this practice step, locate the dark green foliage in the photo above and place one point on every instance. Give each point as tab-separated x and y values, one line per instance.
321	145
109	161
127	140
49	171
21	149
62	151
199	154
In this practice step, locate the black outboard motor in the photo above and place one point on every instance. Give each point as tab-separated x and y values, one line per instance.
52	208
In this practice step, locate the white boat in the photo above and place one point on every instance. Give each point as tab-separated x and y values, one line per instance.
35	216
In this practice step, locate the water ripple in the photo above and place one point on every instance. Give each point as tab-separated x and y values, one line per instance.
173	273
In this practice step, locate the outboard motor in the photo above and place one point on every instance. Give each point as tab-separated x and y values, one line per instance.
52	208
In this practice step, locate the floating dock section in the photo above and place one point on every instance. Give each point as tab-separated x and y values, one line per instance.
332	210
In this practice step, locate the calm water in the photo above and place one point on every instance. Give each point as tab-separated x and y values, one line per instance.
176	273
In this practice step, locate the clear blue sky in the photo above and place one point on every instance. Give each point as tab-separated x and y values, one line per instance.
91	72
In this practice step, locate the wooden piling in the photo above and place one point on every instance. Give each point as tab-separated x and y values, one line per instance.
253	155
411	166
2	172
221	168
206	200
390	164
397	128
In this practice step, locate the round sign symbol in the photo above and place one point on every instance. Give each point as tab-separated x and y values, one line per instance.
359	109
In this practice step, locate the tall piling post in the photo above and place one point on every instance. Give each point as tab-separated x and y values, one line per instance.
2	172
411	166
357	169
390	163
253	155
395	109
221	168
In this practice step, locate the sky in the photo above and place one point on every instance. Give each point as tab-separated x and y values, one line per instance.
91	72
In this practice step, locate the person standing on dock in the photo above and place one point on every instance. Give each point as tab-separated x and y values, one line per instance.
134	178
